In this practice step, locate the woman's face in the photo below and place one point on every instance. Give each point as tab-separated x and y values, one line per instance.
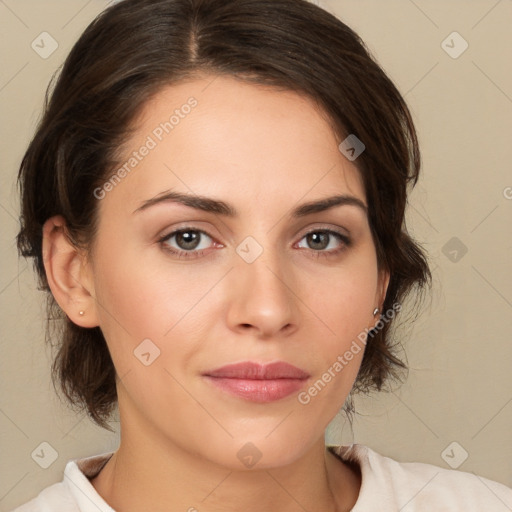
267	282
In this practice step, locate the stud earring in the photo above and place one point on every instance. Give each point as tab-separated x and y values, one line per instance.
81	313
375	311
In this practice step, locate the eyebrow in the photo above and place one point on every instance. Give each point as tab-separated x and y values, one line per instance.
215	206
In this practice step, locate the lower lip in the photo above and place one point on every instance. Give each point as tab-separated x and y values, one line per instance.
258	390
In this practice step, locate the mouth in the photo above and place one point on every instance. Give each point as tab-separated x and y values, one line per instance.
257	382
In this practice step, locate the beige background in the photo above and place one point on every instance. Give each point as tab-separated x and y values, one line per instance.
459	351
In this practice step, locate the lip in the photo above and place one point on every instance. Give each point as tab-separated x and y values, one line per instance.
257	371
258	382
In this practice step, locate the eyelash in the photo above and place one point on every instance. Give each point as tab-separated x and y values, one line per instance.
347	242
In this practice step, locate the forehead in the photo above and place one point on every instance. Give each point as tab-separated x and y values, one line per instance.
220	136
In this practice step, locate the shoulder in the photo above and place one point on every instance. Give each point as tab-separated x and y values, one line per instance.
54	498
414	486
74	493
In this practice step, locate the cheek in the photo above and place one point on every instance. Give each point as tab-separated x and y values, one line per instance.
142	296
132	286
129	298
343	311
344	299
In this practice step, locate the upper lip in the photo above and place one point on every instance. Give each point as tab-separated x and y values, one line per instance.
257	371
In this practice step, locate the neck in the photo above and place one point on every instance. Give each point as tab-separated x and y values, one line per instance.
151	473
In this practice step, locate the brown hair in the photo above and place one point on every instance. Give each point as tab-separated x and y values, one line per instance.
133	49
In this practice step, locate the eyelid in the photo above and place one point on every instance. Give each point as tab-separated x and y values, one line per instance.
328	227
345	240
190	226
184	226
175	231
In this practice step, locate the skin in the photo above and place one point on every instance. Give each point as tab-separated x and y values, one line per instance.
264	151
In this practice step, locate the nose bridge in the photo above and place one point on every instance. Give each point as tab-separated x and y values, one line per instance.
263	266
263	285
266	273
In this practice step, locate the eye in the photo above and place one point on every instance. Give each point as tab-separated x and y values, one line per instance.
188	241
321	239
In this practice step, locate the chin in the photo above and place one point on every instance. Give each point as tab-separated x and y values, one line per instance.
257	452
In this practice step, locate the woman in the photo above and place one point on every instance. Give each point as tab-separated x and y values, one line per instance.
215	200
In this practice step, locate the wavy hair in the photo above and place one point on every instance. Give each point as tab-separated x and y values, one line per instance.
135	48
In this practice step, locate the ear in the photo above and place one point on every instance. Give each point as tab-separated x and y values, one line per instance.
69	276
380	295
382	289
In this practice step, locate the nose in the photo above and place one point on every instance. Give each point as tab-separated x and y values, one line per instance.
263	297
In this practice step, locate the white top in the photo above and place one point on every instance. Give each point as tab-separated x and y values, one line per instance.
387	486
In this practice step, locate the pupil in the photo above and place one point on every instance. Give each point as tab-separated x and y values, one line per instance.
188	239
317	238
